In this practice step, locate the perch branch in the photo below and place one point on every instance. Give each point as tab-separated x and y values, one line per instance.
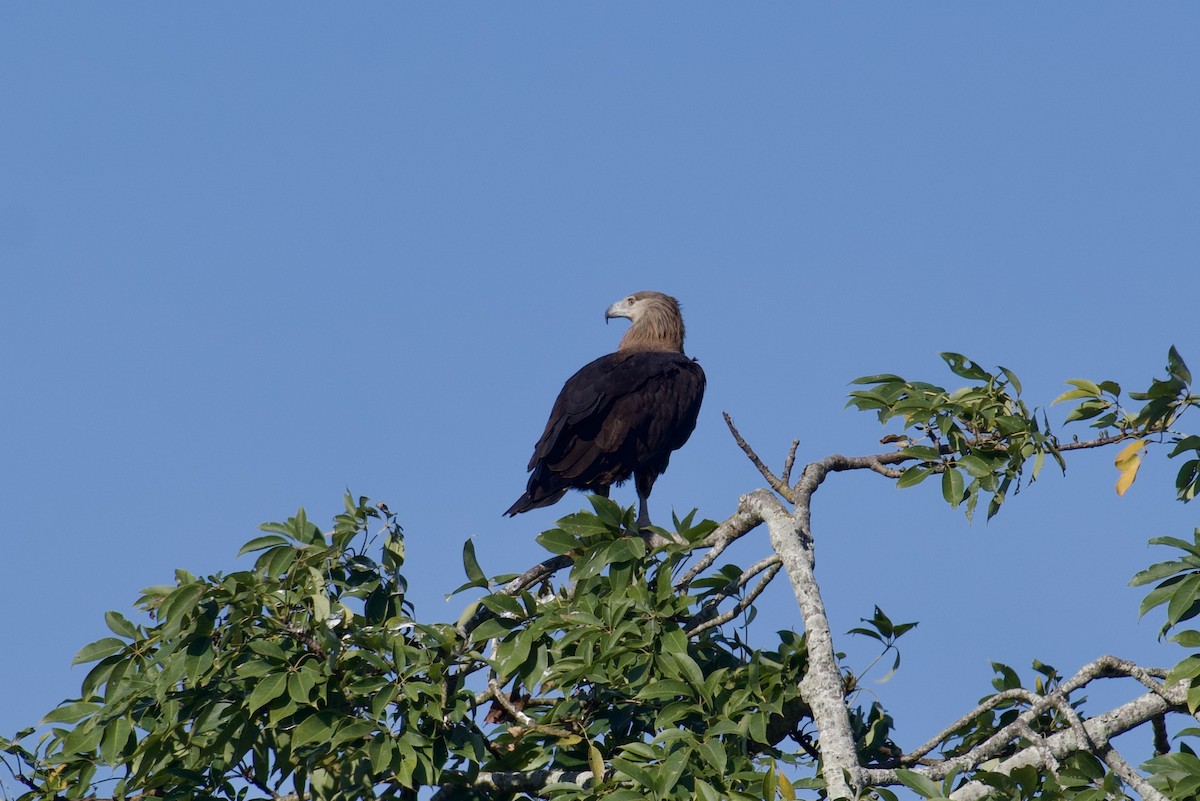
742	522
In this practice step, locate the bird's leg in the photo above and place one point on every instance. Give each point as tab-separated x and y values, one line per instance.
644	481
643	518
653	538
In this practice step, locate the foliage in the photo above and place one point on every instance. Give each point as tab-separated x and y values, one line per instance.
309	674
981	437
978	437
1164	402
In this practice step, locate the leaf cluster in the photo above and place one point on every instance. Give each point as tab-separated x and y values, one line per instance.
978	437
276	677
308	673
1178	589
1162	404
607	675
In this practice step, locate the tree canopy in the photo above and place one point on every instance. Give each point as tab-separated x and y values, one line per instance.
618	667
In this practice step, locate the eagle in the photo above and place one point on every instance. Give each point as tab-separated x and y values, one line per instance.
621	415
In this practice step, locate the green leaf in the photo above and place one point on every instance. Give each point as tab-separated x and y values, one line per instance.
582	524
638	773
688	667
712	751
1159	595
913	476
261	543
704	791
881	378
1187	480
71	713
1188	639
663	689
1176	367
98	650
965	368
922	785
267	690
627	549
975	465
314	728
952	486
83	739
1012	379
1157	571
183	599
671	770
922	452
114	741
1183	599
1090	387
268	649
557	541
471	565
118	624
608	511
501	603
496	627
1187	669
1191	547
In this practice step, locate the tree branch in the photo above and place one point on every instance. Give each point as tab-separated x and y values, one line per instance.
1092	735
740	523
821	686
777	484
1099	729
770	566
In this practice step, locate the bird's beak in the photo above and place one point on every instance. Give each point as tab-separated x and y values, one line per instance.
615	310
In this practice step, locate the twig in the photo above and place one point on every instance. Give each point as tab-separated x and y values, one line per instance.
776	483
501	698
539	572
742	522
1039	742
786	478
988	704
741	605
1099	442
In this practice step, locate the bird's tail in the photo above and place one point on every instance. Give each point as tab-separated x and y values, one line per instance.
533	499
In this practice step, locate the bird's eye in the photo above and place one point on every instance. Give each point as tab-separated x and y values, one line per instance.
628	301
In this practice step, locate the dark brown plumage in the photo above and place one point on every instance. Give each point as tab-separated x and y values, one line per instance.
622	414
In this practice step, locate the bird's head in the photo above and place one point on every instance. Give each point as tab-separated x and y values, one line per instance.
657	322
636	305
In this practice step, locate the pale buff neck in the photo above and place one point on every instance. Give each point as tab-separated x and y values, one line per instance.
658	326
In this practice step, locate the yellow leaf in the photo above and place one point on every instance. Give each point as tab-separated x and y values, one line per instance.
1128	474
786	789
1129	455
1128	461
596	763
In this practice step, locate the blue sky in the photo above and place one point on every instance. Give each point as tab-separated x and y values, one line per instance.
253	256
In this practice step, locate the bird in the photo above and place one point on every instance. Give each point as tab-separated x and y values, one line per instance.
621	415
